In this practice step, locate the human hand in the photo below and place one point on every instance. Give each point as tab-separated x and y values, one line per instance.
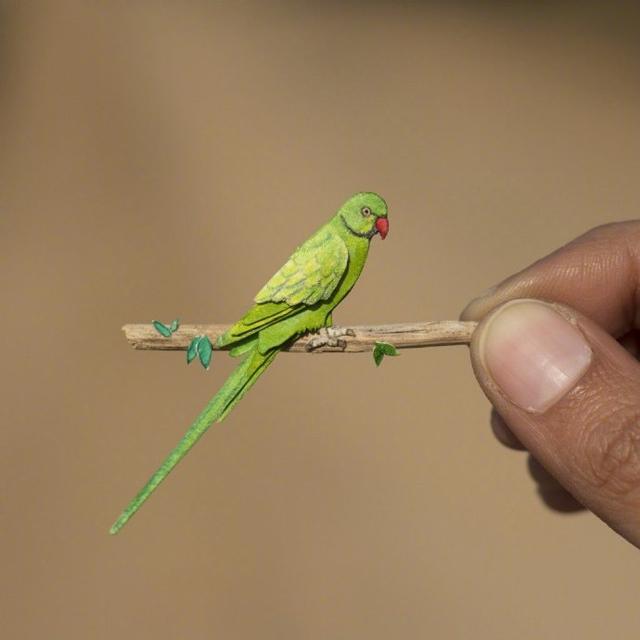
556	354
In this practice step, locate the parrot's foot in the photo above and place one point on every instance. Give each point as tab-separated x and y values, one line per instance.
330	337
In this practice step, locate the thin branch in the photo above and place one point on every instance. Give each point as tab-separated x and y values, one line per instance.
402	336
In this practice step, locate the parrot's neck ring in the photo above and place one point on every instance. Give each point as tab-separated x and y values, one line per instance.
366	234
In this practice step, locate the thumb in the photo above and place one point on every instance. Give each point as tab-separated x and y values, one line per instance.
571	394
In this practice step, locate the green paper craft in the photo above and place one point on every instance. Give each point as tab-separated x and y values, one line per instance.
192	351
205	351
381	350
298	299
162	328
200	346
165	330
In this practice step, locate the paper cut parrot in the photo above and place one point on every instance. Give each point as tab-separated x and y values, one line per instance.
299	298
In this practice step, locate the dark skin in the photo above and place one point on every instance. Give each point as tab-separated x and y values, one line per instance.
585	448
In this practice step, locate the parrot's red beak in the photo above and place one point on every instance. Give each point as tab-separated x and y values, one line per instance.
382	225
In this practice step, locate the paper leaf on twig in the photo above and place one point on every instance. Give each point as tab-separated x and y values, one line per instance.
192	351
205	351
162	329
382	349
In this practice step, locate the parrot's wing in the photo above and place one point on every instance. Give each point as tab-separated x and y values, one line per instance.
256	319
311	274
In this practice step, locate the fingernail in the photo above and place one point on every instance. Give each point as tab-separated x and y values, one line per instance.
470	310
487	292
534	354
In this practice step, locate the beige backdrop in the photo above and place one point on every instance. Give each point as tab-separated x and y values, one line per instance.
163	160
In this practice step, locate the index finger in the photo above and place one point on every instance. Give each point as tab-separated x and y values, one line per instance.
597	274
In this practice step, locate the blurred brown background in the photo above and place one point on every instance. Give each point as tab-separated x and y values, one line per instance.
162	160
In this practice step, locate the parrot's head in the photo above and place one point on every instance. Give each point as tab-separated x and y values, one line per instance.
365	214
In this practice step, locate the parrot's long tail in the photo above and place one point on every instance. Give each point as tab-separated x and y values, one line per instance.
236	385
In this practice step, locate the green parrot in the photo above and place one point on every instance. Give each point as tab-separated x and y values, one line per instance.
299	298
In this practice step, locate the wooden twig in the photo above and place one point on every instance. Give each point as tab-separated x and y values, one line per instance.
402	336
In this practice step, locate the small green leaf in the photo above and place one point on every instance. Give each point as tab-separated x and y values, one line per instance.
192	351
382	349
174	325
205	351
388	349
162	329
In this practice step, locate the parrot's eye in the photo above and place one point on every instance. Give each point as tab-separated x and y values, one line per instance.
365	211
